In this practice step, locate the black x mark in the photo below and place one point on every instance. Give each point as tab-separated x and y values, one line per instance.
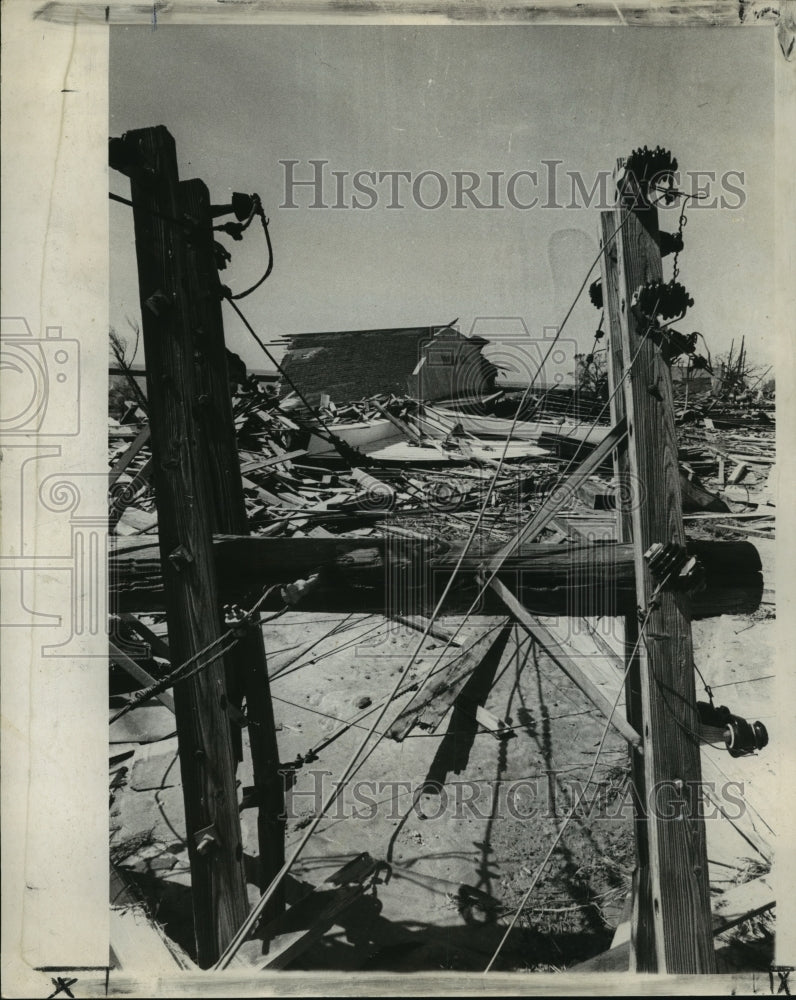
784	975
62	986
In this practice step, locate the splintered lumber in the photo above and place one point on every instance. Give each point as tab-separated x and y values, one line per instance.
569	664
403	427
432	702
696	497
158	645
553	503
738	473
266	463
566	447
376	490
405	576
136	940
316	911
129	455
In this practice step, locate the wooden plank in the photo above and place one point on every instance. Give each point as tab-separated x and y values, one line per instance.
124	460
554	501
678	905
574	671
377	491
267	463
158	645
742	903
135	670
744	825
730	909
420	624
136	942
326	906
432	702
404	428
182	478
720	516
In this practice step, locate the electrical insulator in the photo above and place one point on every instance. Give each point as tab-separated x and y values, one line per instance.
667	300
741	737
651	168
671	243
596	293
672	564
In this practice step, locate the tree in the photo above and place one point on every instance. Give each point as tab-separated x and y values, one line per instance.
591	373
736	376
120	387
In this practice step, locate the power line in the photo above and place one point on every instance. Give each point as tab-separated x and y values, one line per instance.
351	767
576	806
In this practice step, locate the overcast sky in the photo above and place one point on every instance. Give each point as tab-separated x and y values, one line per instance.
501	99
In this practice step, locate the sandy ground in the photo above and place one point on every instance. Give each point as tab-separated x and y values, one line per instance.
462	818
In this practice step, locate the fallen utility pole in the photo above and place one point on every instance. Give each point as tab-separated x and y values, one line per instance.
671	919
247	672
368	574
182	478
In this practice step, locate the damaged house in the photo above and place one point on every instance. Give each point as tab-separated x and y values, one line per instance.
428	362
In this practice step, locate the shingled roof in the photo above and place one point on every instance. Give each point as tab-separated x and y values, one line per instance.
354	364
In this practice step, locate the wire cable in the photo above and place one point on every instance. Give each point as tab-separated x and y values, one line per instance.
576	806
233	946
264	222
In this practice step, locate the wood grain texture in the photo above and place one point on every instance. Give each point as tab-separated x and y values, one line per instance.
679	903
184	504
366	574
247	671
643	930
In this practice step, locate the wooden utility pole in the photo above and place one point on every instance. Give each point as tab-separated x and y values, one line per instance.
184	503
247	670
671	918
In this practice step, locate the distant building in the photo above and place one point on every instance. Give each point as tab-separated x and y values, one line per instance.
432	362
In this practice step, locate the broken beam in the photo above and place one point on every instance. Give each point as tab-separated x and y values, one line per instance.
541	634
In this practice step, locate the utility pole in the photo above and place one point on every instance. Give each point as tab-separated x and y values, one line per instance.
247	670
671	922
184	503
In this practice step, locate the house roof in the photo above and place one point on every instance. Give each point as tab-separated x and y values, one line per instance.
385	331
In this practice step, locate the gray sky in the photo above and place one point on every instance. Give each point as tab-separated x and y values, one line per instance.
239	100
